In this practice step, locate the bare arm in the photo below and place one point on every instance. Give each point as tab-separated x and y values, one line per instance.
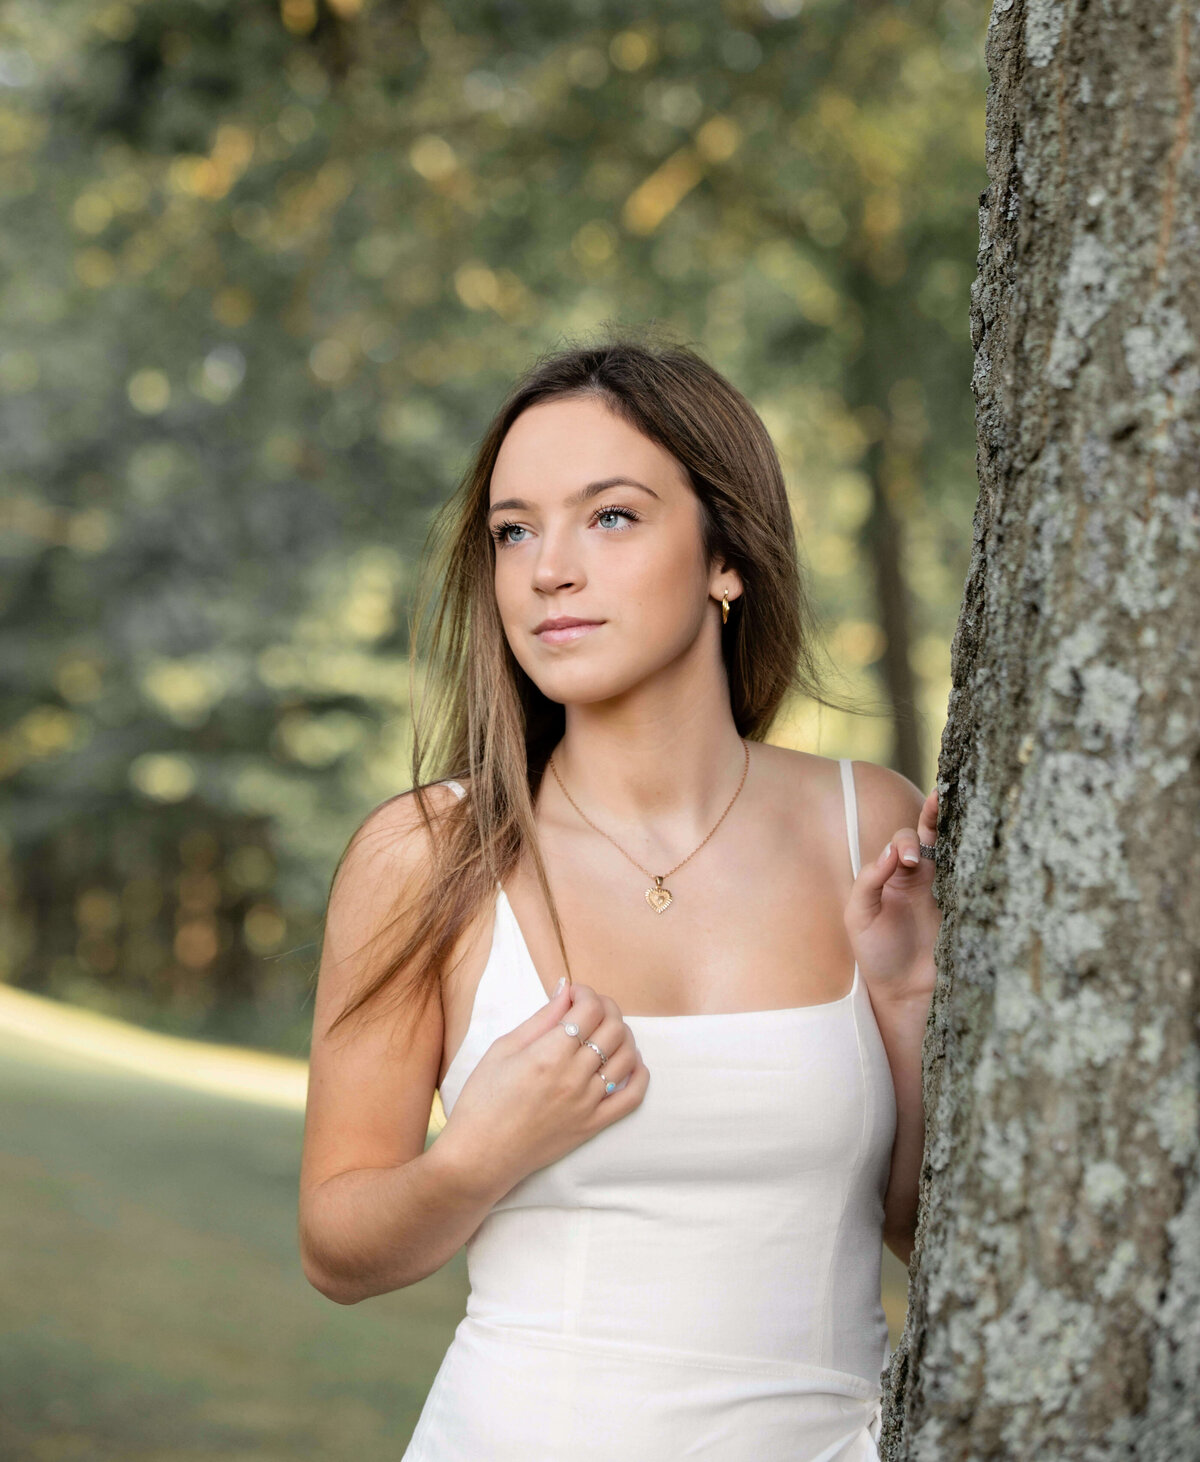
901	1024
373	1230
373	1205
893	921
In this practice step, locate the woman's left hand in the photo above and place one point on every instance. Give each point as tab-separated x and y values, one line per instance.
891	916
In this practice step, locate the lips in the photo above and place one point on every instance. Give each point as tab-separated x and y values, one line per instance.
566	630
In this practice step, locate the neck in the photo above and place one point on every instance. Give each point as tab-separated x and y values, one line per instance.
675	777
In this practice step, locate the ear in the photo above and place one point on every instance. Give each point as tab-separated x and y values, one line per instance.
725	578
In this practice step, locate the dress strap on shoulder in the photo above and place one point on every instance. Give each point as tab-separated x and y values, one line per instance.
460	791
851	806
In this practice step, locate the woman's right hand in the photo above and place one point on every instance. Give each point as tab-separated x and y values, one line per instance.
535	1094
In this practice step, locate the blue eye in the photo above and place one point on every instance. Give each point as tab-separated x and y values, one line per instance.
500	531
617	513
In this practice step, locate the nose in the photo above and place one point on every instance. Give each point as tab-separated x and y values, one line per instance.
555	564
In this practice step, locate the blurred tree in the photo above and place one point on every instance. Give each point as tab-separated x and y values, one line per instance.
270	268
1052	1310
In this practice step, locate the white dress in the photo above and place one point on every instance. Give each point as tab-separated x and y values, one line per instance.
701	1278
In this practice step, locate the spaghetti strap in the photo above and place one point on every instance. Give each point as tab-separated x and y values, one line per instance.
851	806
460	792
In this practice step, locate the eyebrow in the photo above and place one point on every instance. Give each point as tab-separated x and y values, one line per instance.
582	496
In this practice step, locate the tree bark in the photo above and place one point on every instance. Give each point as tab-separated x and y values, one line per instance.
1054	1306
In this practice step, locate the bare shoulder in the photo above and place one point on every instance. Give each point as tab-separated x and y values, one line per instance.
885	799
388	857
800	777
396	830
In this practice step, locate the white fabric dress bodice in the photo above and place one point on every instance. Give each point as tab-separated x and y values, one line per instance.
700	1279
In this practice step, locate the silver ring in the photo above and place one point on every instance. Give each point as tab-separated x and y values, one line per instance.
598	1051
570	1027
928	850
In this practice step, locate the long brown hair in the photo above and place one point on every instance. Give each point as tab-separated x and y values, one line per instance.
482	720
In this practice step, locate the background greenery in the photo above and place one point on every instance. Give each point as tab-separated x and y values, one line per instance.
268	269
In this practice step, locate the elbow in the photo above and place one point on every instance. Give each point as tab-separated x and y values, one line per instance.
332	1289
324	1278
345	1287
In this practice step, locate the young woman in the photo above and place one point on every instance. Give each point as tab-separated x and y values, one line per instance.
673	1156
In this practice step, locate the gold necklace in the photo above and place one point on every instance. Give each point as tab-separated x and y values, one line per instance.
658	897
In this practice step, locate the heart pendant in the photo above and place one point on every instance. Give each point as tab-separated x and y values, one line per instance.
658	898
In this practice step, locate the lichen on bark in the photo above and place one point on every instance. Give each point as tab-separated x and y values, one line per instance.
1054	1303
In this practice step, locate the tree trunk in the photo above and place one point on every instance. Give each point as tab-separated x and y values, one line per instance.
884	540
1054	1307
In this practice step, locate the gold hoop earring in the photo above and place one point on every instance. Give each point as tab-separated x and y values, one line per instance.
725	607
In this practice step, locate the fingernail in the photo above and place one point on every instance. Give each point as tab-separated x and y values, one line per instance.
883	857
910	856
562	981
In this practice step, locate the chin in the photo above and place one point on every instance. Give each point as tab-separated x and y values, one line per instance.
585	685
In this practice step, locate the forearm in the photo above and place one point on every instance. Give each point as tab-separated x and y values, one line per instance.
901	1021
374	1230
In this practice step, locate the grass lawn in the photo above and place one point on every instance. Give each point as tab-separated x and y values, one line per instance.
153	1304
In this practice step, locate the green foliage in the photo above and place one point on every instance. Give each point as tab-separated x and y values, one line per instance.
269	268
